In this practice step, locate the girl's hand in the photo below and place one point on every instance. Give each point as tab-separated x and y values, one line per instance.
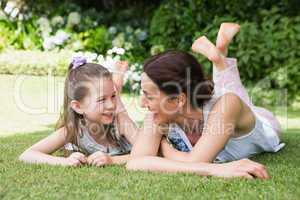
241	168
76	159
99	159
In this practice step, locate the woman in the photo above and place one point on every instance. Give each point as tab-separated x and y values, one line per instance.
204	123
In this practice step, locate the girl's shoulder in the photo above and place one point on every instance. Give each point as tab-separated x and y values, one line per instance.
62	132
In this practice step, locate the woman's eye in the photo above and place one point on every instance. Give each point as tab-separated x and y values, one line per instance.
100	100
149	98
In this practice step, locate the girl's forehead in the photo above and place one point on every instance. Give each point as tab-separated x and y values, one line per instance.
102	86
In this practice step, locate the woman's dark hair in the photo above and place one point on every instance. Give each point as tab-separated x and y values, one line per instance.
177	71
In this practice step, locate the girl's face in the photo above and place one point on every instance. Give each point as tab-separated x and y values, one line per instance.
163	107
100	105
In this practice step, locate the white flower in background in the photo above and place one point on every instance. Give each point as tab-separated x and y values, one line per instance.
90	57
112	30
135	86
20	17
128	46
78	54
48	43
116	50
74	19
57	21
119	40
131	77
9	7
110	51
141	35
100	58
129	29
77	45
14	13
127	75
60	37
136	76
132	67
44	26
109	63
120	51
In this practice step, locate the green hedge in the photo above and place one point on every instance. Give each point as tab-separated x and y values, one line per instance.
35	62
267	46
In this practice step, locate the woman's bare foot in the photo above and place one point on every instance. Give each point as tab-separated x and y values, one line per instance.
225	35
118	76
205	47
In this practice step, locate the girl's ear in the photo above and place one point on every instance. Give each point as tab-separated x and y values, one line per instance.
75	105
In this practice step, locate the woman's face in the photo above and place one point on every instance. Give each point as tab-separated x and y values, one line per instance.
163	107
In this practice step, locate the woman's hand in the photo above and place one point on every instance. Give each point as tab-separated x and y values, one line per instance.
118	76
99	159
76	159
241	168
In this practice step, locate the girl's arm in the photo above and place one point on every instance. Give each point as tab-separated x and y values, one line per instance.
119	160
101	159
40	152
220	127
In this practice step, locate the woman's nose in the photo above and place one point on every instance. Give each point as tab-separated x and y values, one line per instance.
143	101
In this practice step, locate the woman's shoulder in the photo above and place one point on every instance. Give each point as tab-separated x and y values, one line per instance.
228	103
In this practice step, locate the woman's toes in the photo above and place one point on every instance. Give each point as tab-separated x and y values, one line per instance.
203	46
225	35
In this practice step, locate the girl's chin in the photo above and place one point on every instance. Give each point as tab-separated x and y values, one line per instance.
107	119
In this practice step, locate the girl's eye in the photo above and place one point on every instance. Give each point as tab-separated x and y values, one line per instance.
100	100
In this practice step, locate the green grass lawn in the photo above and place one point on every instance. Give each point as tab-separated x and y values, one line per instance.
19	130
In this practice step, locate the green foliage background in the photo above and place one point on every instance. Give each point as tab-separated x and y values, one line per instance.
267	47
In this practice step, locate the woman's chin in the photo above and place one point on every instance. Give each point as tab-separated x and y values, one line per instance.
157	119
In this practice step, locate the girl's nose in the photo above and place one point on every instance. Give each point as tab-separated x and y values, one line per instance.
110	104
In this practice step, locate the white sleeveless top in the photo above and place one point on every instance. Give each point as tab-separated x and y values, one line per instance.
264	136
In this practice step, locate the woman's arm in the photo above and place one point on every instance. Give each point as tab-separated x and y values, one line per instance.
241	168
144	157
40	152
148	139
220	127
126	125
169	152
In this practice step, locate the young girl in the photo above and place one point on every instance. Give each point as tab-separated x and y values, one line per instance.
91	121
